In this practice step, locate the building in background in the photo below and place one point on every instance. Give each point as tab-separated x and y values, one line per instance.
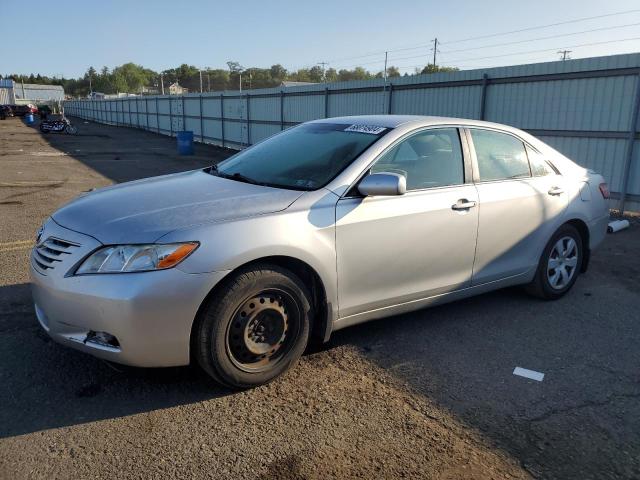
176	89
14	93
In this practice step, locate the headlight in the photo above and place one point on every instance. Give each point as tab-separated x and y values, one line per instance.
136	258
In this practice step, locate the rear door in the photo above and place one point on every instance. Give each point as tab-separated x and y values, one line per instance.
518	211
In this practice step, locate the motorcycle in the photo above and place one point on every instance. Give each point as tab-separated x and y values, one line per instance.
61	125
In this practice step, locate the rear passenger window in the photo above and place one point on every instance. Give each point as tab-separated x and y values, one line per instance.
431	158
500	156
539	166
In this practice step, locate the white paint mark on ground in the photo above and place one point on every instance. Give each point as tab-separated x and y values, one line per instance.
532	374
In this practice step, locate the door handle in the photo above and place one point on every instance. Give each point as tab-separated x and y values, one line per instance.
463	204
555	191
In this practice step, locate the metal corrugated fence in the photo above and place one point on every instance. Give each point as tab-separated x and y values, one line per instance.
586	109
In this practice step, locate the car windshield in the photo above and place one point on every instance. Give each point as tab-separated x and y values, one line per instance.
306	157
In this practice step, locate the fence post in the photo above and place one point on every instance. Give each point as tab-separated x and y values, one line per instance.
389	106
157	115
483	97
281	110
222	118
170	117
201	122
631	140
184	118
248	123
326	102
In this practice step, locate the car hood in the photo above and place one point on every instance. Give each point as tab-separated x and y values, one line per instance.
144	210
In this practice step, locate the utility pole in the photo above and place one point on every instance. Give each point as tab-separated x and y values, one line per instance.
384	87
386	56
161	84
565	54
208	81
324	77
435	51
90	86
240	73
200	81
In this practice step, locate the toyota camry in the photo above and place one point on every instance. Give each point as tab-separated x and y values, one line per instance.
325	225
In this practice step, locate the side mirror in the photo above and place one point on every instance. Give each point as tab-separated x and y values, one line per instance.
383	183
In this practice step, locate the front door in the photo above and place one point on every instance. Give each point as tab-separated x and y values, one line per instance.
397	249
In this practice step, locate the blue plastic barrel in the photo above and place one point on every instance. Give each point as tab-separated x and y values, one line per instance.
29	118
185	142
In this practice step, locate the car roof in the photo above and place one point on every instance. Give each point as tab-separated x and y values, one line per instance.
393	121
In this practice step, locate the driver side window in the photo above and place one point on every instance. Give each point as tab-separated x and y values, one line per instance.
431	158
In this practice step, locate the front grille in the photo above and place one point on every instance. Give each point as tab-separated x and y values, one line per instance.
48	254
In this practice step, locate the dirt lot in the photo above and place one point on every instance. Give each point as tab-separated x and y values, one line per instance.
425	395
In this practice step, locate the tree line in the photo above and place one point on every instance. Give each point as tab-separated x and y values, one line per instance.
132	78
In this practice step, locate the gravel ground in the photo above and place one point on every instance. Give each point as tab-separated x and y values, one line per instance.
425	395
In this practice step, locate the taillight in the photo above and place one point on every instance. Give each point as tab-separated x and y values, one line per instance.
604	190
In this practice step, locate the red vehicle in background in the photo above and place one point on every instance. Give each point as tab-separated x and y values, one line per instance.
22	110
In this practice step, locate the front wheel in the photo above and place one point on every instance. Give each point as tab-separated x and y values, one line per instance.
71	130
254	328
559	265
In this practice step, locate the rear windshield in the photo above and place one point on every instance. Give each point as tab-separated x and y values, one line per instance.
306	157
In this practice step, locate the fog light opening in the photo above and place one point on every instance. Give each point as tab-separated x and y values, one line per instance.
102	338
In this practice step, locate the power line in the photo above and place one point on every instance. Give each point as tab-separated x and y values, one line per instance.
547	49
543	38
455	61
583	19
497	44
423	45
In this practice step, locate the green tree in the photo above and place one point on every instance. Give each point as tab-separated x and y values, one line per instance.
431	68
330	75
278	73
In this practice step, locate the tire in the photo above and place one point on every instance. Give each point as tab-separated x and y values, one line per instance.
254	328
44	129
553	283
71	130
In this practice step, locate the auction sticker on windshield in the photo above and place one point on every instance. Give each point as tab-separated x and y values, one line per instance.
372	129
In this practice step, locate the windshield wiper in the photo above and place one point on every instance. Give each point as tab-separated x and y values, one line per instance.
241	178
213	170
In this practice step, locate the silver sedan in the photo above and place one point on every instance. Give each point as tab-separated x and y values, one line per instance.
325	225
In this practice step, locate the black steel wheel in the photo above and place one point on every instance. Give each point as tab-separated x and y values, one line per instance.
254	327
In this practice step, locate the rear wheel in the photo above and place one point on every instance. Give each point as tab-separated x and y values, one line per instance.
255	327
71	130
559	265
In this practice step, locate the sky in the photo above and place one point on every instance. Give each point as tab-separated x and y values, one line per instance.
68	36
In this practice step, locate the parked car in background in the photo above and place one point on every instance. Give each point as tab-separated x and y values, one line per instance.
6	111
325	225
22	110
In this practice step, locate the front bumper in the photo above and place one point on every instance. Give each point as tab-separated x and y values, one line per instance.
149	313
